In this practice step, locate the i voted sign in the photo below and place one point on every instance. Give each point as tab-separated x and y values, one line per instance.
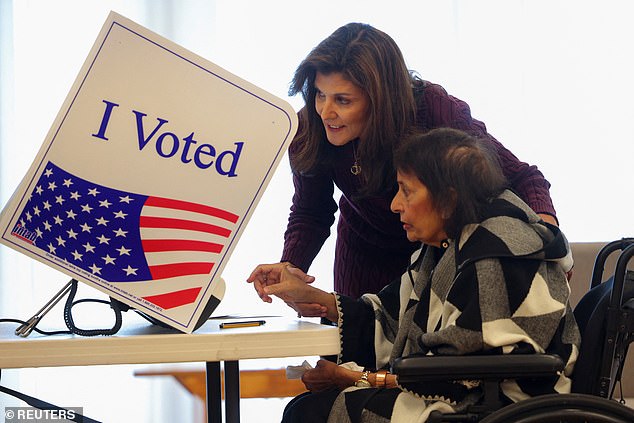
149	174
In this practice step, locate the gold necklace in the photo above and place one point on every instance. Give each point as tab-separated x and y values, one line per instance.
355	169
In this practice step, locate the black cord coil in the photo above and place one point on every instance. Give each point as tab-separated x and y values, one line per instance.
70	323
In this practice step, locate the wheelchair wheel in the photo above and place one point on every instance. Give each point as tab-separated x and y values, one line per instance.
563	408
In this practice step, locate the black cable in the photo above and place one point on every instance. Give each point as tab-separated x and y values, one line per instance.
62	332
41	332
70	323
117	306
68	318
43	405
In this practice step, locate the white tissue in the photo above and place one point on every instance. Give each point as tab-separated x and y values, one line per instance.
296	372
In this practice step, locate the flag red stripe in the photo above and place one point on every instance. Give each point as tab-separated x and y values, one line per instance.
174	299
193	207
164	271
159	245
169	223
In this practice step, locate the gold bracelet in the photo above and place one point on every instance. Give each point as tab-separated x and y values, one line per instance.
381	379
363	382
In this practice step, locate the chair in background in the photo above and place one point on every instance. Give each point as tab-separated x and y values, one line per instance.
606	319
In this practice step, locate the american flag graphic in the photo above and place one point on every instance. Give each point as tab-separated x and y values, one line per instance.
126	238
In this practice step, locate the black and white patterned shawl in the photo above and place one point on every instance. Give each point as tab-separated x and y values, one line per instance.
500	288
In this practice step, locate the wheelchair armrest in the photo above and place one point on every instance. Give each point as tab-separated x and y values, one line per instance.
484	367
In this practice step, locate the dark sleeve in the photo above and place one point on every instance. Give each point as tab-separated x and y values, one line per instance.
357	332
312	214
444	110
358	322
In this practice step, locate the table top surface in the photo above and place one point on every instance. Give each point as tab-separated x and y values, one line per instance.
142	342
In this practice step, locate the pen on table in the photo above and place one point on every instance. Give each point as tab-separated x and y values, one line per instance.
243	324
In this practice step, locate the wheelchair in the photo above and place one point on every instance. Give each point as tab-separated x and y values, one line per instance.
605	316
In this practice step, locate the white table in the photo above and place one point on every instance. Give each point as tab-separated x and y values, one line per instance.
143	343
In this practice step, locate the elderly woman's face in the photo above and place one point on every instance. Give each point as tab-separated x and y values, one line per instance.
343	107
413	202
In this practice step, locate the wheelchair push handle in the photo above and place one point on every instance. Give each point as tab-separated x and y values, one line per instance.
620	275
602	256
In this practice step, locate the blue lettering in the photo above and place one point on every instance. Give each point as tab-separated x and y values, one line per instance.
159	145
189	140
204	150
25	234
139	129
104	120
167	145
235	155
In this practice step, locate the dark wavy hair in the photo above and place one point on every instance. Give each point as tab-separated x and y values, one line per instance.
370	59
461	173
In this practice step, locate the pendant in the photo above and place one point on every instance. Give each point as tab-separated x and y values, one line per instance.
355	169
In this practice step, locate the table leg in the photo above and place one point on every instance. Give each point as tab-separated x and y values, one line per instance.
232	392
214	395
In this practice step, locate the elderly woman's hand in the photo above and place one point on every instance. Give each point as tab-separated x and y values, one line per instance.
289	284
269	274
293	289
308	309
327	375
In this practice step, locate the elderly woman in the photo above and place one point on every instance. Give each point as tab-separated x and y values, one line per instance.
489	278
